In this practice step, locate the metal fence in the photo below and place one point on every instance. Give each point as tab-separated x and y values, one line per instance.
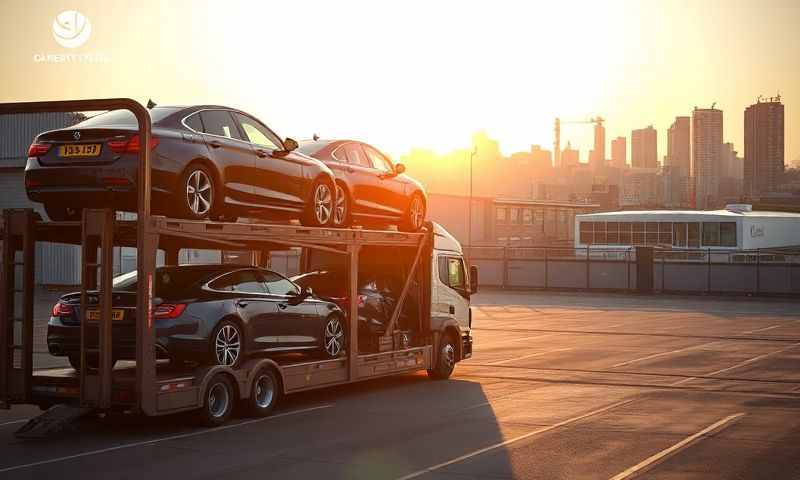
671	271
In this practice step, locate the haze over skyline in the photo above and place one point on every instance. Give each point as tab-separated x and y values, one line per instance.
414	74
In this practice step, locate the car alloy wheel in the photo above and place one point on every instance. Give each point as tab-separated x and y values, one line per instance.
323	203
416	213
340	212
199	193
227	345
334	337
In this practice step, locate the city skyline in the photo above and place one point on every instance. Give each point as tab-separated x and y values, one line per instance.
645	69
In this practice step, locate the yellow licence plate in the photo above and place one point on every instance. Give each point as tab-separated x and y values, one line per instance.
116	314
81	150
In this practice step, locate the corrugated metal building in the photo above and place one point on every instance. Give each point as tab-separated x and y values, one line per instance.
57	264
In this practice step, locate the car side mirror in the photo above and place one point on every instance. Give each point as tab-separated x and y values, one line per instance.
473	279
290	144
399	169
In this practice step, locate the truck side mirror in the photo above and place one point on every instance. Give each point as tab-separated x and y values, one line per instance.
473	279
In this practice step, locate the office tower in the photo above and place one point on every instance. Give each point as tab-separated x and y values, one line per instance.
644	148
679	145
618	153
569	157
706	155
763	146
597	158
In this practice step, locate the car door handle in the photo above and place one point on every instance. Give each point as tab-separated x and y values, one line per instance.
452	309
262	153
242	303
349	170
282	306
215	143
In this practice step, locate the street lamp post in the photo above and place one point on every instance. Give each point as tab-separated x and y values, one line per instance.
469	210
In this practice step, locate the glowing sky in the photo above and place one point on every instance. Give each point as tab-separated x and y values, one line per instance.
424	73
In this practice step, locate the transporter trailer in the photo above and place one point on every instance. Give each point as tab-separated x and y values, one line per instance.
434	276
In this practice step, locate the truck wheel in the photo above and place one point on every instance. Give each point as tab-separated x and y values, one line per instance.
217	402
264	394
446	361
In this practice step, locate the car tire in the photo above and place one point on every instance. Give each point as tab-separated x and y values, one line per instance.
319	208
63	214
342	216
227	344
265	393
333	336
199	194
445	361
218	401
414	217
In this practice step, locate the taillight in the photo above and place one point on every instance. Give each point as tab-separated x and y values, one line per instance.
362	301
169	310
130	145
38	149
62	309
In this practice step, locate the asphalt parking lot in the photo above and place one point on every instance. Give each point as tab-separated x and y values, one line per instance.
560	386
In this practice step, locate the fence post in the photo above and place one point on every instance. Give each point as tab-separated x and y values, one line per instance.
628	267
545	268
758	270
588	281
663	267
708	278
505	267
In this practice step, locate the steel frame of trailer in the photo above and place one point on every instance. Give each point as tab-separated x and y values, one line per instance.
147	390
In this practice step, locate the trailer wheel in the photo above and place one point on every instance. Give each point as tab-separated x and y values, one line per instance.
446	360
264	393
217	402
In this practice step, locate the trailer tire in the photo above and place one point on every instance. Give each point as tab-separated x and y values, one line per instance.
265	392
92	360
445	360
218	400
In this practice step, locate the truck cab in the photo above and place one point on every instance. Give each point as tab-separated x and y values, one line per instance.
452	284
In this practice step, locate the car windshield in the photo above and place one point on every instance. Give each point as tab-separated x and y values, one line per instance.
126	118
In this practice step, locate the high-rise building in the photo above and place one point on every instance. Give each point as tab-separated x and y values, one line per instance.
644	148
730	174
597	159
706	156
763	146
569	157
618	153
679	145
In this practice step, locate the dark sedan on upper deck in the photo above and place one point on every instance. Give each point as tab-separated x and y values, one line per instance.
208	162
370	188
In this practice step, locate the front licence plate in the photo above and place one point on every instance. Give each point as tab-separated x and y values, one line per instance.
79	150
116	314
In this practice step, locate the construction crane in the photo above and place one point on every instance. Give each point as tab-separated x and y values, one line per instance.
557	130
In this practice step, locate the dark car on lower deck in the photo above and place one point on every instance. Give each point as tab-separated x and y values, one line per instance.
217	314
207	162
371	189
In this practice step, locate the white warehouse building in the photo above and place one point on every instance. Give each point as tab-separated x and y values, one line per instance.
735	228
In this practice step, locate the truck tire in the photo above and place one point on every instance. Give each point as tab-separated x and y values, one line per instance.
446	360
264	393
218	402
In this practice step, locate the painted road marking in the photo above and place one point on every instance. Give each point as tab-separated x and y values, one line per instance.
656	355
508	360
14	422
162	439
662	455
741	364
762	329
512	440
